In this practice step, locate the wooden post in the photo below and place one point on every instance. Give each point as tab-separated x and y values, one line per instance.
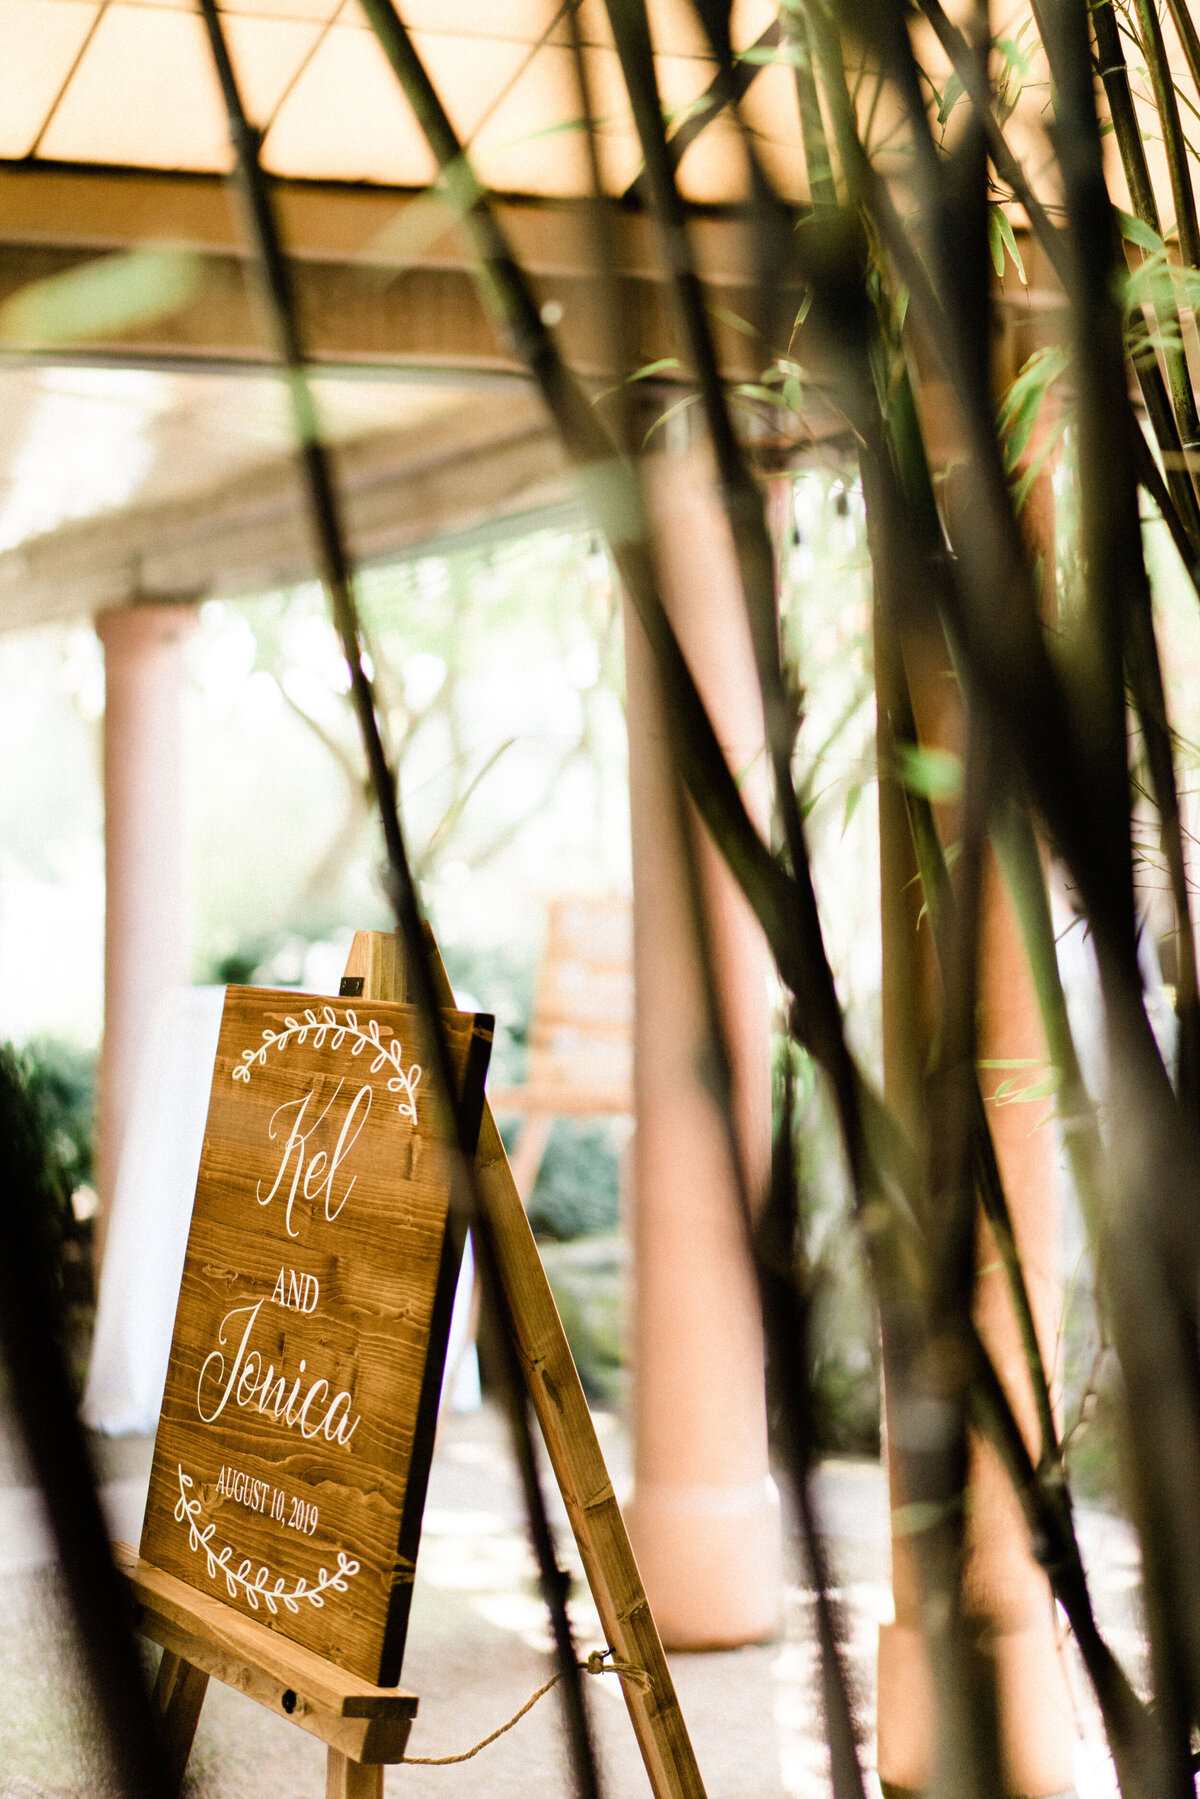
345	1779
178	1695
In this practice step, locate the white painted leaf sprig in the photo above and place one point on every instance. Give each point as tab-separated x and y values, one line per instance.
241	1580
365	1037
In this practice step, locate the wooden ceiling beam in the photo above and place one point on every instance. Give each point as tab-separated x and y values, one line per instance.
383	275
120	208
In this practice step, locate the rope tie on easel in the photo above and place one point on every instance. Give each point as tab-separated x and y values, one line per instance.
600	1661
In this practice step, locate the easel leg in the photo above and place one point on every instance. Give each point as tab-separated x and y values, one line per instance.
178	1696
345	1779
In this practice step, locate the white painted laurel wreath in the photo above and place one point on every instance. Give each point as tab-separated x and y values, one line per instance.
242	1580
362	1037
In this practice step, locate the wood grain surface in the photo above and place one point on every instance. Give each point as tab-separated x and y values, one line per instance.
297	1423
348	1714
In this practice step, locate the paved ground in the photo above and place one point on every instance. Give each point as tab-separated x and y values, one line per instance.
477	1649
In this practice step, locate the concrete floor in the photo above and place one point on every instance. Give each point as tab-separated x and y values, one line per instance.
478	1648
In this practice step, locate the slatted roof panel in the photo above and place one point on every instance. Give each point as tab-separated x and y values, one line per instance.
130	82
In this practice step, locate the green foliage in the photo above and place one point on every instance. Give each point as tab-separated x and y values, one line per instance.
237	967
100	298
578	1185
845	1379
587	1278
932	773
498	673
56	1081
1018	415
1091	1386
59	1081
1022	402
1002	239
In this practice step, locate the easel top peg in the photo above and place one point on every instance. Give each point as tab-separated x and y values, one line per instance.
375	967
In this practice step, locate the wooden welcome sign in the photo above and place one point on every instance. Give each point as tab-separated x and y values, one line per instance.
301	1400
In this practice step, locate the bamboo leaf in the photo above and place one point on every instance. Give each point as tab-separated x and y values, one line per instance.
995	241
102	298
932	773
1138	232
1018	411
952	93
1000	225
1036	1079
1033	469
1013	54
679	406
754	390
762	54
733	319
660	367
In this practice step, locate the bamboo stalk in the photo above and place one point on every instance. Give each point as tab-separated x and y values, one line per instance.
1096	873
770	1242
1189	37
783	902
1167	104
1149	693
334	565
741	497
822	187
1182	508
1158	1353
1079	790
1115	76
44	1408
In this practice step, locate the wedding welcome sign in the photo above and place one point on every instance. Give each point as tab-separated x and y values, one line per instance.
301	1399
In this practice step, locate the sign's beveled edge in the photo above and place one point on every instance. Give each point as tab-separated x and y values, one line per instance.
425	1426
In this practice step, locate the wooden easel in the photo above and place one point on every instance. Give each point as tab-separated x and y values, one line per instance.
366	1727
580	1054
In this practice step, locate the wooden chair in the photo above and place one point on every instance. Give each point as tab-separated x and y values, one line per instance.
581	1030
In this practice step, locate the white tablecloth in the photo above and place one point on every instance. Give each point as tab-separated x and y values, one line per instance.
152	1210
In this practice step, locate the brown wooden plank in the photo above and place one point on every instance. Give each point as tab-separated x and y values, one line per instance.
363	1722
376	960
346	1779
327	1686
578	1463
179	1690
378	956
362	1739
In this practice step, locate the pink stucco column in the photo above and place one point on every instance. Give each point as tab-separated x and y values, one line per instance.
1005	1593
146	947
1004	1588
704	1516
